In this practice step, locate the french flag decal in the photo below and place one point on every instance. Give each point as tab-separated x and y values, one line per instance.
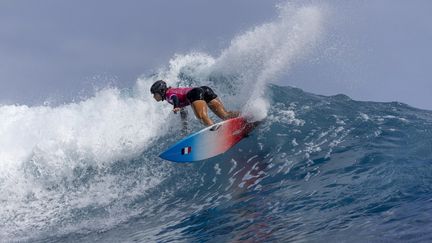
186	150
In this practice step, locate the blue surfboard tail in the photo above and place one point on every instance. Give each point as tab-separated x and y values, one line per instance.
173	157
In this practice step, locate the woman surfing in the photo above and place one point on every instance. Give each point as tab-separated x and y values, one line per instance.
199	98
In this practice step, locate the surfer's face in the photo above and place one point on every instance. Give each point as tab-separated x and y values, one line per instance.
157	97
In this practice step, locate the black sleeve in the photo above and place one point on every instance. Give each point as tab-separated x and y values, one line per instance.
175	101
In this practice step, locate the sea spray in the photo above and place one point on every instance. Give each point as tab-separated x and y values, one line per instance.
252	60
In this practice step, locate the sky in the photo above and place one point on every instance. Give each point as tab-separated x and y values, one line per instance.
61	50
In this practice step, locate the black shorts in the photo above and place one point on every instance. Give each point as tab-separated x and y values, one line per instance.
201	93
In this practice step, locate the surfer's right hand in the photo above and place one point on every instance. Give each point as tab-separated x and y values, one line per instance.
175	110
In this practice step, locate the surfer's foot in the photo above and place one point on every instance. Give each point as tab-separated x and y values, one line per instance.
232	114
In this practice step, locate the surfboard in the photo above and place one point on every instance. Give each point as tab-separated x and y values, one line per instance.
210	141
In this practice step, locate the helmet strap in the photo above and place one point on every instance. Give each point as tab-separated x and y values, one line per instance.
162	95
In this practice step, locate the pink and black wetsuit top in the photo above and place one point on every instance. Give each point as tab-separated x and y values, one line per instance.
177	96
181	97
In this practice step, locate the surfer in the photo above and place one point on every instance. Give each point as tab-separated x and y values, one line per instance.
198	97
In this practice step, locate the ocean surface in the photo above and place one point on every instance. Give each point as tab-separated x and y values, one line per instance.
318	169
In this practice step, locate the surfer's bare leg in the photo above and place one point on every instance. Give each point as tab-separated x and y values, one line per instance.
200	109
218	108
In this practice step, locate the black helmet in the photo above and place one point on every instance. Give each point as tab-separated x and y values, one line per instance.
159	87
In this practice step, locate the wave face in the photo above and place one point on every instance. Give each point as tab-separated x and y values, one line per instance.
317	169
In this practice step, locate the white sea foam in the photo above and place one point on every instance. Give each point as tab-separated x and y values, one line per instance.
41	147
104	128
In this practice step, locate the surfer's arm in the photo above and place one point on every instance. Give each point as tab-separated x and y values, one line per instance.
176	103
